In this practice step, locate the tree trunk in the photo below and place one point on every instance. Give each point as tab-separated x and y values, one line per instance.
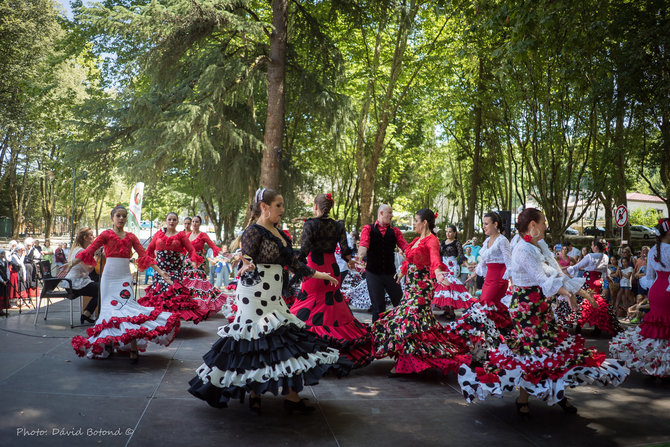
476	156
229	222
620	161
388	110
274	124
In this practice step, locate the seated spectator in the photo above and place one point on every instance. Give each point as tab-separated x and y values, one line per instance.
78	274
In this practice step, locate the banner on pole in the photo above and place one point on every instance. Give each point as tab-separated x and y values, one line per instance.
135	208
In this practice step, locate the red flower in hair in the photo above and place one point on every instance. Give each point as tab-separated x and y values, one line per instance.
329	196
527	238
435	214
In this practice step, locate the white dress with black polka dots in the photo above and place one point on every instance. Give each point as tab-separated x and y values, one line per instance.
264	348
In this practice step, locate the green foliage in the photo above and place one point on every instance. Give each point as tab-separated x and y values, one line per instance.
644	216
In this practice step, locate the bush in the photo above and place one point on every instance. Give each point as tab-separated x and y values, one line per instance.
647	217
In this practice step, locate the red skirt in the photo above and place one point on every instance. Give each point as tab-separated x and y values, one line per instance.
656	323
493	291
323	309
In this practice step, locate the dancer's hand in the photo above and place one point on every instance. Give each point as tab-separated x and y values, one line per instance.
589	297
327	277
247	266
194	265
166	277
351	263
398	277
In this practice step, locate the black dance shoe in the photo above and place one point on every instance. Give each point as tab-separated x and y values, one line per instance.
87	319
567	407
300	407
255	404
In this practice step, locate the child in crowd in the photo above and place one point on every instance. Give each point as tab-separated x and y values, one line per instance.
625	295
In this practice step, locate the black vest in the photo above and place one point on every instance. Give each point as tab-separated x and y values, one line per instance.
381	252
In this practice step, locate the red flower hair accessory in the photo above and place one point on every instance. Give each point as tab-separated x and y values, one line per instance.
435	214
329	196
527	238
664	224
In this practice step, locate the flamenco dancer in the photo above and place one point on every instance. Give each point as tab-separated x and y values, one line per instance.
321	306
266	347
196	279
646	347
453	295
482	325
538	356
601	318
168	245
409	332
123	324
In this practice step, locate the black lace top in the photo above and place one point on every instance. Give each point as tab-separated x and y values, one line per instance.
266	248
321	235
454	249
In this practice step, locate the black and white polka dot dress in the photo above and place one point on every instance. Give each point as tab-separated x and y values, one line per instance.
265	347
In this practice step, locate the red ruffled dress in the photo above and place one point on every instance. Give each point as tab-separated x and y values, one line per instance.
409	332
602	317
175	298
454	295
538	355
320	305
122	319
646	348
196	279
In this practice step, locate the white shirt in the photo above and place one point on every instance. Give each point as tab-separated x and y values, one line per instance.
625	282
653	265
573	253
77	274
527	268
498	253
591	262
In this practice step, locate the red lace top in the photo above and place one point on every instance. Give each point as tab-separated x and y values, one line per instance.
424	255
115	247
178	242
201	240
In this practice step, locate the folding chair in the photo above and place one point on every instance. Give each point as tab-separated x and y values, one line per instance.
49	290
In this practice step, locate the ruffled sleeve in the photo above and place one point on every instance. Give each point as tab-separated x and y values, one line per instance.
211	244
408	254
144	261
151	249
583	264
530	260
195	257
434	252
506	254
87	256
648	279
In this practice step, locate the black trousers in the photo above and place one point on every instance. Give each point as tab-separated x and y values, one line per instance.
91	289
378	286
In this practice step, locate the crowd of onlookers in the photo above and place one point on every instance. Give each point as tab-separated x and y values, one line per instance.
621	282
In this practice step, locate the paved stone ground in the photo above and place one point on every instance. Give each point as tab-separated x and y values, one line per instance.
51	397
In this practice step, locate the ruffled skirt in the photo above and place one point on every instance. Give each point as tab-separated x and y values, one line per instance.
322	308
188	304
411	334
538	356
646	348
455	294
264	349
122	319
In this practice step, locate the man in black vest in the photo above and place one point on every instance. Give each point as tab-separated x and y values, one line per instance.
379	242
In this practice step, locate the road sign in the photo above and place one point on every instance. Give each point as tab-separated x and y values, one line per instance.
621	216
